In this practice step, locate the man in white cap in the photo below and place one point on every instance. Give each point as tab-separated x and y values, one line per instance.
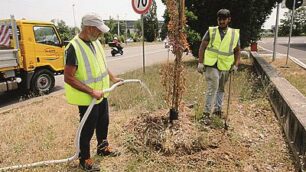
86	75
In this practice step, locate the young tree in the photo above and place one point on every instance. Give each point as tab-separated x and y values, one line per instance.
164	28
172	75
121	28
151	24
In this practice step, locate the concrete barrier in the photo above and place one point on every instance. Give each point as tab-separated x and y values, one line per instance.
288	104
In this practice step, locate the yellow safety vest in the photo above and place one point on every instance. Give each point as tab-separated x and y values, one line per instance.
92	71
221	51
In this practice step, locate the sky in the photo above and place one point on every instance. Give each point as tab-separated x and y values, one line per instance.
272	18
46	10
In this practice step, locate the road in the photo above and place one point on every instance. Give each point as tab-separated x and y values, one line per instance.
130	60
297	47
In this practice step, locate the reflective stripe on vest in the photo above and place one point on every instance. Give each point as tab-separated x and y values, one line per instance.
90	79
221	51
91	71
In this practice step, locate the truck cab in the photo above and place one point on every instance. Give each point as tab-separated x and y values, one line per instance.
31	57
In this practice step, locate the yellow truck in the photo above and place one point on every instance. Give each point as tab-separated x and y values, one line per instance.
31	54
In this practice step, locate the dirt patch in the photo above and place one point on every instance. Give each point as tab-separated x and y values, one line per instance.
154	131
252	144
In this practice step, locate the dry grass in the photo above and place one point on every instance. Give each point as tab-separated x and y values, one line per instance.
294	73
140	130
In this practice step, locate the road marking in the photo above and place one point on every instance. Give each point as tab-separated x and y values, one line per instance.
295	60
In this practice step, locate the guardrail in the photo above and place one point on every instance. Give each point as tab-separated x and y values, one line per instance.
288	104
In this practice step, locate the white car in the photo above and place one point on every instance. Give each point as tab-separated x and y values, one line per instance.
129	40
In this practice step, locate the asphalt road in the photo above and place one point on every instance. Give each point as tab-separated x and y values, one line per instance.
297	46
131	59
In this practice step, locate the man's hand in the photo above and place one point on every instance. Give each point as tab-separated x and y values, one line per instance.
234	68
201	68
97	94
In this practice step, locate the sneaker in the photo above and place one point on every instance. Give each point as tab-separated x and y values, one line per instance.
89	165
105	150
205	119
218	113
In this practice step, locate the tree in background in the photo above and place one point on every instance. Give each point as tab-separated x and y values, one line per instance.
247	15
151	24
164	28
121	28
299	24
193	37
113	32
137	26
66	33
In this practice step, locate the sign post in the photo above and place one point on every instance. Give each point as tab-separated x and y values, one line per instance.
141	7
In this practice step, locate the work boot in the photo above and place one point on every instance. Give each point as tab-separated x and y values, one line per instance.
218	114
89	165
105	150
205	119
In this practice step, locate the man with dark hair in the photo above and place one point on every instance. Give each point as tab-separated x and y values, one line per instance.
219	54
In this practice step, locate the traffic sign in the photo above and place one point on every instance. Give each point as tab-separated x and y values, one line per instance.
141	6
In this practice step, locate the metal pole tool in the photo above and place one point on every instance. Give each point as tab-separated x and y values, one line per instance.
228	101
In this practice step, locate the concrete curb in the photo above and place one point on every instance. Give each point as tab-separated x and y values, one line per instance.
30	101
288	104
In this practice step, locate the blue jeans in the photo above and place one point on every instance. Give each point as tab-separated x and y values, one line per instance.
216	81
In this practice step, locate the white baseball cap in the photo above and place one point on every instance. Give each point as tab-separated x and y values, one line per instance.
94	19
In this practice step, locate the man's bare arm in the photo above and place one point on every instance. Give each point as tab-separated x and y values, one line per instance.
237	56
112	77
202	50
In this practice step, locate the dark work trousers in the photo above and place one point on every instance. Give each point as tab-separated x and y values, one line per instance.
98	119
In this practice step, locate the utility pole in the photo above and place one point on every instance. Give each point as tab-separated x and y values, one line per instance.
125	30
126	35
75	30
118	33
292	17
275	32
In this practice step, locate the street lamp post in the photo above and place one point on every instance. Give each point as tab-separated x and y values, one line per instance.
125	30
75	30
118	27
275	33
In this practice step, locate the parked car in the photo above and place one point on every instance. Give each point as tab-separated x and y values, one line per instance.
129	40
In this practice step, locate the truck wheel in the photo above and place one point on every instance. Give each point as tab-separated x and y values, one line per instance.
42	82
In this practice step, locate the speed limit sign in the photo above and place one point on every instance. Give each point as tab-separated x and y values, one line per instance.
141	6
